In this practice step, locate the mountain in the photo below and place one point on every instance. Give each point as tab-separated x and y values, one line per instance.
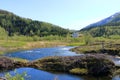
16	25
106	27
113	20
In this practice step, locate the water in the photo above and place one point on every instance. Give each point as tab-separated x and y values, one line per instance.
42	52
34	74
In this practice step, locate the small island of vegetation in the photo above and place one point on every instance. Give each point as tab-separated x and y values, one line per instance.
95	43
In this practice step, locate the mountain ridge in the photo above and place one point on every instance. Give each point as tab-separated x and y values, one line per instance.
115	18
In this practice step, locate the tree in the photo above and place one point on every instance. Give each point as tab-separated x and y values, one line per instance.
31	33
27	27
87	38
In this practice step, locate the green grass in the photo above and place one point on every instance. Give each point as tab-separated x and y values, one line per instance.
76	44
115	37
80	71
10	43
1	52
25	42
20	60
100	45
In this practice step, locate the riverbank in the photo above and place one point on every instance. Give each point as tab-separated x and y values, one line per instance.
7	63
10	46
103	47
95	65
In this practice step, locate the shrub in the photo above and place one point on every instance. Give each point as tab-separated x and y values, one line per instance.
8	76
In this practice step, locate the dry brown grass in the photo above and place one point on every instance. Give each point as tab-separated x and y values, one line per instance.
42	44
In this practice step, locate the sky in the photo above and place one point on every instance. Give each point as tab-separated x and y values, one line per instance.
69	14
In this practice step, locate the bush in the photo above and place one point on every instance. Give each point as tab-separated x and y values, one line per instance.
8	76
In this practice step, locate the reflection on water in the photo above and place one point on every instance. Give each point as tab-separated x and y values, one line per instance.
34	74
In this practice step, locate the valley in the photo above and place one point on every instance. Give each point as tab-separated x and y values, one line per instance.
48	49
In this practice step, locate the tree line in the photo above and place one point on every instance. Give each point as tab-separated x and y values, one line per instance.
103	31
16	25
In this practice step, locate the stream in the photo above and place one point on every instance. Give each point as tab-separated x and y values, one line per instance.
35	74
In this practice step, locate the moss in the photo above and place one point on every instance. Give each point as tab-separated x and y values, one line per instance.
7	63
117	72
109	48
20	60
97	64
81	71
1	53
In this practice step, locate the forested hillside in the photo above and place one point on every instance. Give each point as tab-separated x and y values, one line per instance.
3	33
106	27
105	31
16	25
113	20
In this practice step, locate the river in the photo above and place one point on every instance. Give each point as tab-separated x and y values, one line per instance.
34	74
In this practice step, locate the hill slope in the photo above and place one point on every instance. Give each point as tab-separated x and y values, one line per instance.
23	26
113	20
106	27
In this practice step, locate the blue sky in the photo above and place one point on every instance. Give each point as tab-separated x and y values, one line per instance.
71	14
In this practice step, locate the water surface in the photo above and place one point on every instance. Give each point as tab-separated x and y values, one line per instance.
34	74
42	52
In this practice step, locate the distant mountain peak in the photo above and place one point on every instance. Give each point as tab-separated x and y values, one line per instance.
111	19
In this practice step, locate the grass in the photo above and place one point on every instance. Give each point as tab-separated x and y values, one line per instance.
25	42
87	49
41	44
117	71
82	65
78	71
20	60
1	52
76	44
100	45
11	43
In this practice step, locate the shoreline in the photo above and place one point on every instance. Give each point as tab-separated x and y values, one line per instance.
90	49
32	45
88	64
